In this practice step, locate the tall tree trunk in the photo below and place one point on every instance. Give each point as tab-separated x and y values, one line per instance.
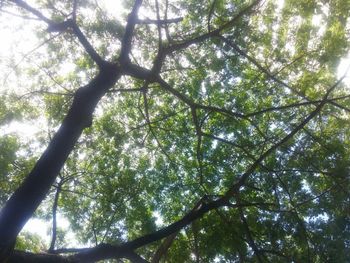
25	200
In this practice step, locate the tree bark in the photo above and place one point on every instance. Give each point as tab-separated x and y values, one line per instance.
25	200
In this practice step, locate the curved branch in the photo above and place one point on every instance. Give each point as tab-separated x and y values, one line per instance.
63	26
32	10
105	251
214	33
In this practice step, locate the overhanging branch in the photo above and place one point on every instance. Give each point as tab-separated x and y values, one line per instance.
60	27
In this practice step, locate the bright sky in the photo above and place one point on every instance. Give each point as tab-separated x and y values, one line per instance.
16	41
114	7
43	229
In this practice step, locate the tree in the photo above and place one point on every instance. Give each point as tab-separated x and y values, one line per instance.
220	132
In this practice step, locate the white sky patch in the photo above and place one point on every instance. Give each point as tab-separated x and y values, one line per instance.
113	7
25	130
280	4
320	217
15	42
305	186
343	69
38	226
18	46
318	21
159	218
43	229
66	69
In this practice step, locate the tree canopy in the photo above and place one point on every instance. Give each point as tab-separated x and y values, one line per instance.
177	131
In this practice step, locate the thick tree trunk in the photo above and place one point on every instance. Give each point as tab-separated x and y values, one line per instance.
25	200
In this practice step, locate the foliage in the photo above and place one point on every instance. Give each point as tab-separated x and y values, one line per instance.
30	242
230	119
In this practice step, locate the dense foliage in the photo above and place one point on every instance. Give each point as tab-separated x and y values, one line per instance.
220	131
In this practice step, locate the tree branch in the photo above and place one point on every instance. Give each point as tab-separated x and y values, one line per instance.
214	33
105	251
199	143
63	26
163	248
54	219
129	31
193	104
257	64
24	201
248	233
159	22
295	105
87	46
32	10
235	187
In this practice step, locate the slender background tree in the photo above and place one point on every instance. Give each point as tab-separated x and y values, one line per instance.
179	131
